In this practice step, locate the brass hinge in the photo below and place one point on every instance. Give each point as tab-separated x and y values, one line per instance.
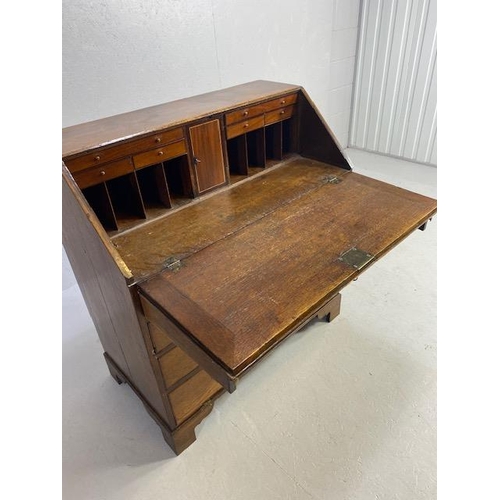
356	258
172	264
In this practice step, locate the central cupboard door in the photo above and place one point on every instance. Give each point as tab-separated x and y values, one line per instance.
206	143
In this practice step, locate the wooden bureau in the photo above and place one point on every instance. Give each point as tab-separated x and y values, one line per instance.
204	231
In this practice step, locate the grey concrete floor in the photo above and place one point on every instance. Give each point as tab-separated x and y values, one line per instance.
345	410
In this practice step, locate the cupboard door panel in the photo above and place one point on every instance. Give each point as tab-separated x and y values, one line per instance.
206	144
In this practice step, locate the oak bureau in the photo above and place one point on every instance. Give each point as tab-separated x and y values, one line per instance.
204	231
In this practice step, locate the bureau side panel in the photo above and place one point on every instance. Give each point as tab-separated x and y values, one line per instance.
316	139
107	296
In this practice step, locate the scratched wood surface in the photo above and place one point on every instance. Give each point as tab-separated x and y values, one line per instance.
241	294
146	248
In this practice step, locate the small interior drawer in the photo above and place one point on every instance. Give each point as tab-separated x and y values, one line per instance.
160	154
111	153
280	102
243	114
153	141
258	109
279	114
101	173
245	126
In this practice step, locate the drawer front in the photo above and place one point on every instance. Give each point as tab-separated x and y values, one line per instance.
280	102
175	364
128	148
153	141
279	114
258	109
101	173
191	395
245	126
243	114
159	338
160	154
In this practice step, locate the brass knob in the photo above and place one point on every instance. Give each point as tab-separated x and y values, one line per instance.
245	113
246	125
157	139
102	172
283	101
97	158
160	153
282	112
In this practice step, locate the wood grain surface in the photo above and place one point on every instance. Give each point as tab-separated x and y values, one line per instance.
199	225
262	280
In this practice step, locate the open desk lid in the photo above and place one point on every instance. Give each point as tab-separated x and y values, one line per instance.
230	303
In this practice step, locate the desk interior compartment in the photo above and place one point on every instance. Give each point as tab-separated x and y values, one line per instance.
237	153
274	141
154	189
178	180
126	200
99	200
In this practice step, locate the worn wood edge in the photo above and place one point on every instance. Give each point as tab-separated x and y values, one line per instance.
89	213
71	154
170	435
327	128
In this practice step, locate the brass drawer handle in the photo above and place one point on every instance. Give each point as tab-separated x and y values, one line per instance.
160	153
245	113
246	125
102	172
282	112
157	139
97	158
283	101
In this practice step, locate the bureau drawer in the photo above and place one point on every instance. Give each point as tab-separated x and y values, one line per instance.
159	338
258	109
280	102
243	114
106	155
188	397
160	154
175	365
245	126
101	173
279	114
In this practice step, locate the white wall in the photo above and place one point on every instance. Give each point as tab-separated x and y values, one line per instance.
395	105
128	54
342	62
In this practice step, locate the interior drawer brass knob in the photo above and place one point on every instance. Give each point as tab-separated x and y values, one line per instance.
246	125
97	158
102	172
157	139
282	112
160	153
245	113
283	102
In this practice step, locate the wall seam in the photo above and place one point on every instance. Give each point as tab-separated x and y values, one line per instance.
216	44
